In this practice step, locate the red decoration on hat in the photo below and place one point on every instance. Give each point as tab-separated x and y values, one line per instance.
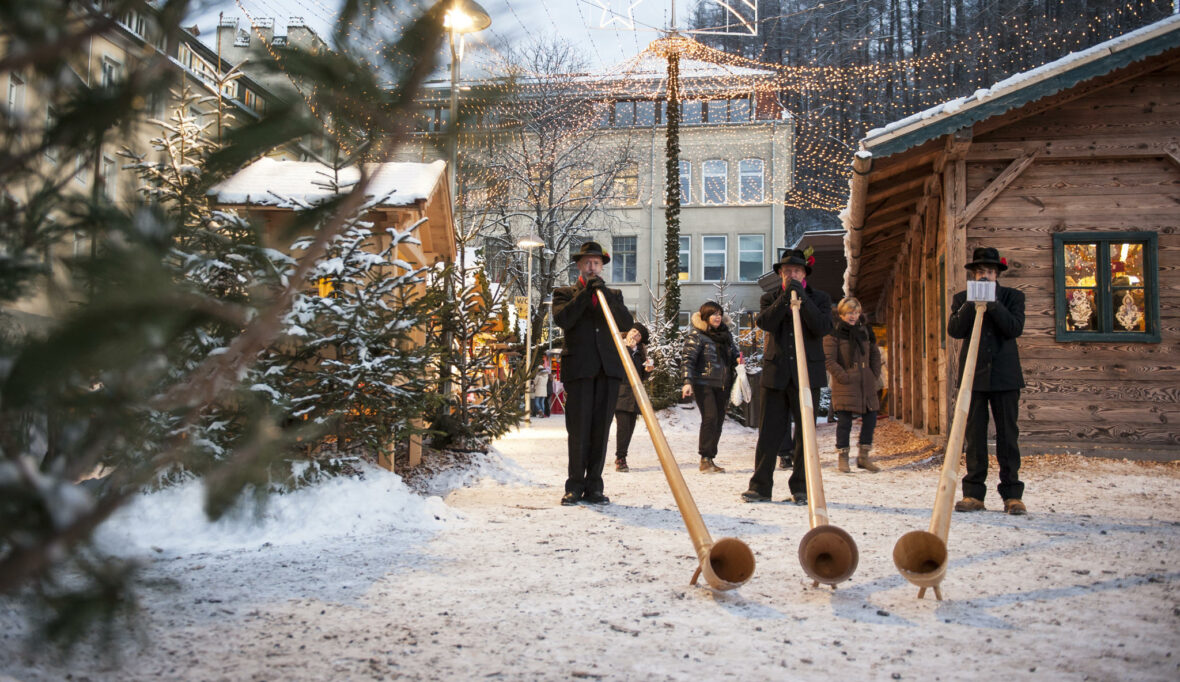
1004	262
810	261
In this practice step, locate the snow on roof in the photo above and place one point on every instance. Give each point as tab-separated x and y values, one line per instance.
1019	81
288	184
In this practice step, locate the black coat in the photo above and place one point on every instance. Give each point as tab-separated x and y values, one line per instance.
998	366
627	402
704	362
778	362
588	344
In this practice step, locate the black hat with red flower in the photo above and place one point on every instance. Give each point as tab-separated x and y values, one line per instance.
795	257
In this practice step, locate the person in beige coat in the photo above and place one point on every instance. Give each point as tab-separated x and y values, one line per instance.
853	360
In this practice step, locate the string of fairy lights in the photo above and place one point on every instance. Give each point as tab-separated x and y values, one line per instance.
813	95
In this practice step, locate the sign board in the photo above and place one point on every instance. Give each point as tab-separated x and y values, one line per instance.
981	291
521	302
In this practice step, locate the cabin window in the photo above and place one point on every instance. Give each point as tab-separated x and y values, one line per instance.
1106	286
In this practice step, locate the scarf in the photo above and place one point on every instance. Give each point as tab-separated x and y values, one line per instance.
857	334
724	341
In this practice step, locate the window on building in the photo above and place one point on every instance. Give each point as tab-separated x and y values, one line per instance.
625	189
713	173
685	258
685	182
80	169
600	116
16	95
624	114
739	110
1107	286
751	256
713	111
622	259
581	185
645	113
750	180
495	259
108	177
683	318
50	123
112	72
691	112
713	258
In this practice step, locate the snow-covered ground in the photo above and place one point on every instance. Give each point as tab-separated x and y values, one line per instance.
366	580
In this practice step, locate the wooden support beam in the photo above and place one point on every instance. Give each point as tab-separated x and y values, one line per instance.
854	220
1174	158
1076	148
895	189
998	185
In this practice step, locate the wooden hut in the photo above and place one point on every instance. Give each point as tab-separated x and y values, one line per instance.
1072	171
271	190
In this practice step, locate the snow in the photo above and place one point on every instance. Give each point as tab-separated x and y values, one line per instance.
288	184
360	581
1025	78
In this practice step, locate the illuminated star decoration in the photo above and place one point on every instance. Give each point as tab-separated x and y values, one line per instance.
610	16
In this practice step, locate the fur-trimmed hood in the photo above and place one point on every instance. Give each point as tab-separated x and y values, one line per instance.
703	326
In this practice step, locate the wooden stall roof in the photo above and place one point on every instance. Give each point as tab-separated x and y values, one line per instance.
898	167
272	185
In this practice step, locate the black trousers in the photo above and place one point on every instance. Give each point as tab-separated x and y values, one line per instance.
589	404
624	428
711	403
780	408
1004	406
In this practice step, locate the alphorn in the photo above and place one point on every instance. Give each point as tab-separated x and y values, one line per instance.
921	555
727	563
827	553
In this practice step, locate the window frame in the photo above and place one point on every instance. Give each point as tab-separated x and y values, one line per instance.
742	174
705	182
686	255
761	256
625	185
724	257
1104	293
620	257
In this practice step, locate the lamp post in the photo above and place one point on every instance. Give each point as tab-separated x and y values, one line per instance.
464	16
529	243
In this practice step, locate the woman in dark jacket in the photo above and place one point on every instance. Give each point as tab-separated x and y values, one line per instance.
708	369
853	360
627	408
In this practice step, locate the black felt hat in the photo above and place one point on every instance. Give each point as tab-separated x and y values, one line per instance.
644	335
592	249
986	255
795	257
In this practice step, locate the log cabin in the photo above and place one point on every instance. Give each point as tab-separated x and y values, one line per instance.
1072	171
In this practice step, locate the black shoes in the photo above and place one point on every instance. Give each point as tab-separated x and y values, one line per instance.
570	499
784	462
799	498
754	496
596	498
621	464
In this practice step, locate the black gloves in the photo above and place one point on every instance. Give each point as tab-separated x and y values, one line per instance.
796	286
596	284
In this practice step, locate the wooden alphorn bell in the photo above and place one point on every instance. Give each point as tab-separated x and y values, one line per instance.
827	553
727	563
921	555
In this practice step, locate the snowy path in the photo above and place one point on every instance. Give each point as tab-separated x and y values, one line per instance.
513	586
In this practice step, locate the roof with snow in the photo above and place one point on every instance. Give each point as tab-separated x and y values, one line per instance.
292	184
1024	87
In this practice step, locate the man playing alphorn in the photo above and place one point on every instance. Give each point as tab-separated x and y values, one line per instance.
591	369
997	383
780	380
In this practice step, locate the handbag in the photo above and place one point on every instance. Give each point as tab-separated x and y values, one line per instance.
740	393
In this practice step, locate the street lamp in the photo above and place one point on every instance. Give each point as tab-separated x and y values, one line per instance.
464	16
530	242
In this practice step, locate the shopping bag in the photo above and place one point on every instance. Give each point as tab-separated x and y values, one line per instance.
740	393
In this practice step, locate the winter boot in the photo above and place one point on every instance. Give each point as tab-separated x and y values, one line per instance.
842	460
862	459
621	465
708	467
